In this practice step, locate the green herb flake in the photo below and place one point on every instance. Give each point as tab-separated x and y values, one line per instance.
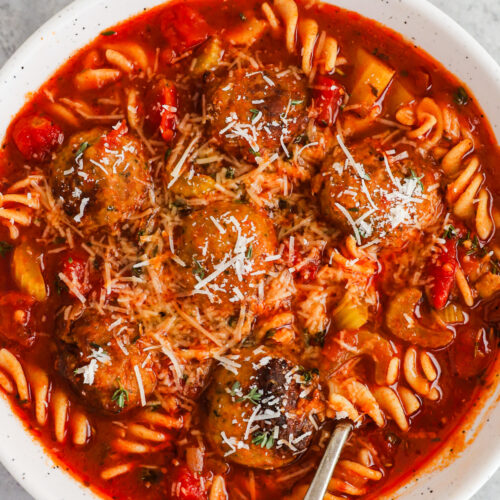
353	209
230	173
5	247
461	97
418	179
253	396
242	16
235	388
249	252
120	396
198	269
108	33
296	102
255	153
82	148
450	232
264	439
254	112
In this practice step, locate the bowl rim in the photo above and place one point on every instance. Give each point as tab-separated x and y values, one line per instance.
20	453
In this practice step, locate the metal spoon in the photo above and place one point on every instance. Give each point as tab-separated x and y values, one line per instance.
325	469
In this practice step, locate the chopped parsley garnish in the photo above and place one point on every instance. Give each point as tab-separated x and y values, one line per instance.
461	97
474	247
254	112
235	388
296	102
418	179
120	396
70	260
5	247
264	439
255	153
230	173
108	33
450	232
249	252
168	152
243	17
198	270
353	209
82	148
495	267
253	396
308	375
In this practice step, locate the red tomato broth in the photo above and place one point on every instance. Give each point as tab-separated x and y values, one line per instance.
430	428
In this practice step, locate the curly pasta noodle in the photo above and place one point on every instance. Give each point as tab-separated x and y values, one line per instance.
465	193
429	123
349	478
124	58
420	373
18	203
318	49
33	387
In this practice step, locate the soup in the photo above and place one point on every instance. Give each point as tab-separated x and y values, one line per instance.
226	226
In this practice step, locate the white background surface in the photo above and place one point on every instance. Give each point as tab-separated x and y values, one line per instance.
19	18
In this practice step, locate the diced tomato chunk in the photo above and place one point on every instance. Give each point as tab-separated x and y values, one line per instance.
118	130
442	271
187	485
36	137
74	264
184	28
161	108
168	112
328	97
15	312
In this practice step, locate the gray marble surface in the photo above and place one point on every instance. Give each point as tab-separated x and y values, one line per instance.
19	18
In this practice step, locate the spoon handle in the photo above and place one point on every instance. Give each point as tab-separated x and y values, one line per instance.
325	469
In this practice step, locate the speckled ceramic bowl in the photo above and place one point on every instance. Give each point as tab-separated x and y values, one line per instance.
448	475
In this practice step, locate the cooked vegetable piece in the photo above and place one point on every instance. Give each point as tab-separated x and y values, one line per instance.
27	272
247	32
37	137
349	315
328	97
402	322
209	57
442	271
452	313
371	79
198	185
184	28
397	97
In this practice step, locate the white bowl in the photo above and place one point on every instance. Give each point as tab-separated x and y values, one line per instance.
418	21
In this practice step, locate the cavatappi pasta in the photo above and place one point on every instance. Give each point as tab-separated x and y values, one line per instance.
226	225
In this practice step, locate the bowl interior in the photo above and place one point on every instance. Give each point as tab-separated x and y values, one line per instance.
419	22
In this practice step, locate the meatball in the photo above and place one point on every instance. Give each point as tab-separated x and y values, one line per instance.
225	247
257	112
101	176
102	362
382	198
267	384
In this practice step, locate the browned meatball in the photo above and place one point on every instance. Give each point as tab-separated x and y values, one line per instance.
101	370
101	176
262	416
226	247
384	199
255	113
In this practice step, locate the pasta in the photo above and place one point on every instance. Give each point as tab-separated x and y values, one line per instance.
33	388
225	227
